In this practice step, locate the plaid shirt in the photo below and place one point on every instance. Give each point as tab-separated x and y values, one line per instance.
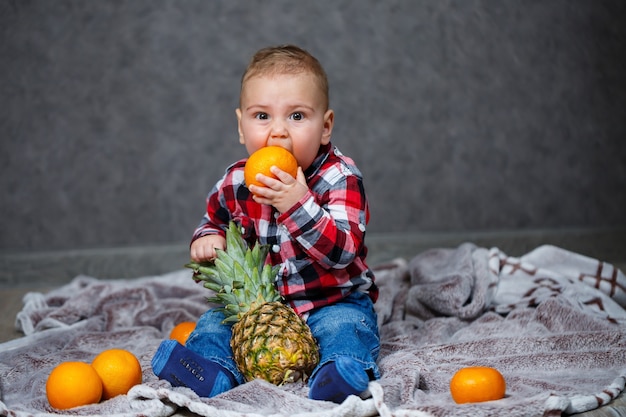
319	242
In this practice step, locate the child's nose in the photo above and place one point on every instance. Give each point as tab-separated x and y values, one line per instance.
279	130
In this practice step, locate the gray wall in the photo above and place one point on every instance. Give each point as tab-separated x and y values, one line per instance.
118	116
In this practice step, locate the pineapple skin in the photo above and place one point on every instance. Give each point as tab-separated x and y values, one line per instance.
273	343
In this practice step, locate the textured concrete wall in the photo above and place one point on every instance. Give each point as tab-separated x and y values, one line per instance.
118	116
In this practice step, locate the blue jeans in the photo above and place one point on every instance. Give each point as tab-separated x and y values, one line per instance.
346	328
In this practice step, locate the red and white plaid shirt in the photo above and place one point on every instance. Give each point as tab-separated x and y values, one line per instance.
319	242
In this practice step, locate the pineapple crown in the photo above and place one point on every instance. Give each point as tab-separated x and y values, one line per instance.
239	276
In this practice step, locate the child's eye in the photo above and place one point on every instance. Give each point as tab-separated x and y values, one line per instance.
261	116
297	116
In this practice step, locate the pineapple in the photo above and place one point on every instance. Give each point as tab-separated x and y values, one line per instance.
269	340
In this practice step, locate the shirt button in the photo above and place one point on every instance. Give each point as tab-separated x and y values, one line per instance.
361	227
276	248
276	215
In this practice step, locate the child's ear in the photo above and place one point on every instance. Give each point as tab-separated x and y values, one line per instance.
238	113
329	121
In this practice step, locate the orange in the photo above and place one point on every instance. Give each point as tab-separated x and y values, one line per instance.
119	370
477	384
181	331
72	384
263	159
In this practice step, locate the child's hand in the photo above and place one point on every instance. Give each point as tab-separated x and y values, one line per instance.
203	248
282	193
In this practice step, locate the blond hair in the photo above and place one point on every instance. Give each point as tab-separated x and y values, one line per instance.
286	59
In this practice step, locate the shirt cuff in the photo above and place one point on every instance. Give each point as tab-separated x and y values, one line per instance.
300	218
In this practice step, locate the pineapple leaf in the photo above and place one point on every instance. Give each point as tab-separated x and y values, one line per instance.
256	277
264	250
249	285
231	319
212	286
253	257
239	272
232	309
224	264
209	275
269	292
224	298
240	276
250	260
207	270
193	266
234	241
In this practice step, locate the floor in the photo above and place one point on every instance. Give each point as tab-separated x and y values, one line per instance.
23	273
11	305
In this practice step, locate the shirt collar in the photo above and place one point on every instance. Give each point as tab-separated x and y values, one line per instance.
322	154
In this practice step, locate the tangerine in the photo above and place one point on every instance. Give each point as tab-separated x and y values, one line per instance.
476	384
181	331
72	384
263	159
119	371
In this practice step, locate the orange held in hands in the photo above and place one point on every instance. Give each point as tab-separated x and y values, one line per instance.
72	384
181	331
263	159
477	384
119	371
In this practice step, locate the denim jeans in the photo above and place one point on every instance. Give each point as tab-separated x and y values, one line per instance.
346	328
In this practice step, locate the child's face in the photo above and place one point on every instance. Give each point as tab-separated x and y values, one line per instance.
286	110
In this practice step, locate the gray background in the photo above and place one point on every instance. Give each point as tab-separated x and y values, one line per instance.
117	117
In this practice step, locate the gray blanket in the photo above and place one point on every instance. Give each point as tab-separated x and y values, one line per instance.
553	322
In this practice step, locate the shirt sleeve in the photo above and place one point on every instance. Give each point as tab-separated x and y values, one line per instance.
218	202
330	227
